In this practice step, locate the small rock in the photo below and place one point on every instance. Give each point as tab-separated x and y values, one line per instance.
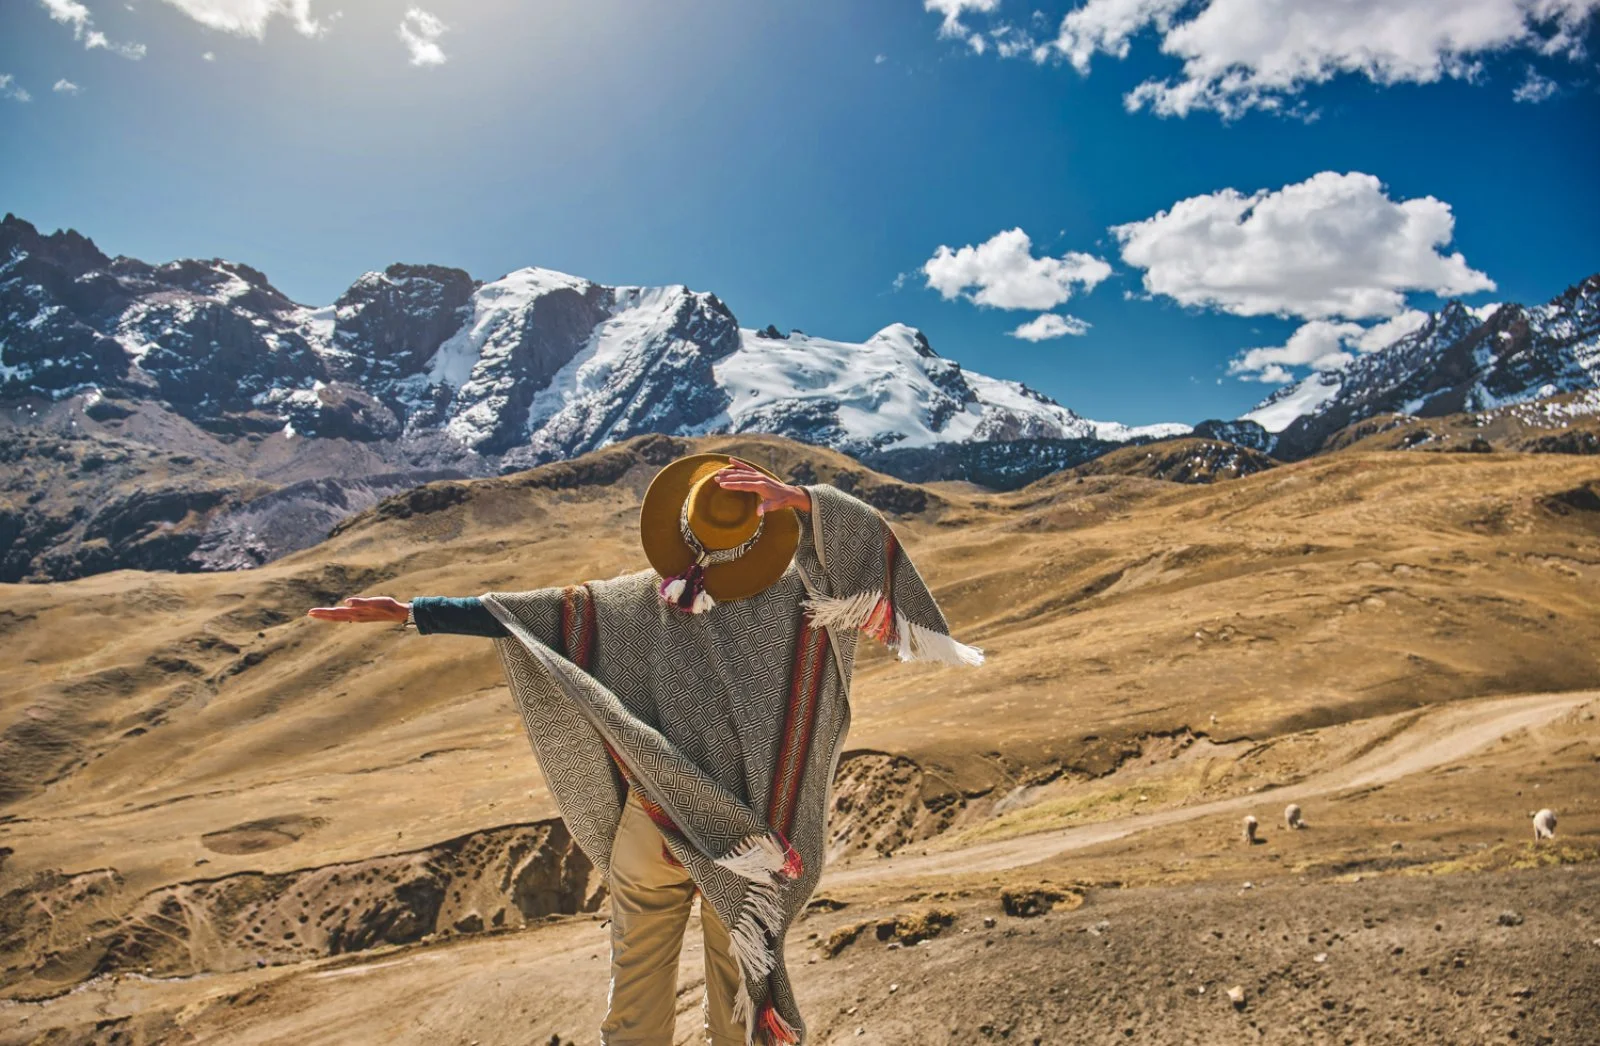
1249	886
1236	996
861	1031
1320	957
988	923
1397	846
894	946
1510	918
893	988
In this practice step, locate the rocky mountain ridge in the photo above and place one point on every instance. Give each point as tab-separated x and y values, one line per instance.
189	416
1457	362
532	367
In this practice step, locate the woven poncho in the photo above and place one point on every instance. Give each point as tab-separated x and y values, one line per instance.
727	724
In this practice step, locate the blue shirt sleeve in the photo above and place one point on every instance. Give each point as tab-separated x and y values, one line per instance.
463	616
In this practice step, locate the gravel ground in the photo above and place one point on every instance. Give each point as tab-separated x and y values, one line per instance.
1500	957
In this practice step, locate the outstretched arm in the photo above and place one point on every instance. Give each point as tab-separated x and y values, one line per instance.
364	610
458	616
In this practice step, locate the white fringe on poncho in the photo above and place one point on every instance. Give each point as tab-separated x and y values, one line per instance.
696	706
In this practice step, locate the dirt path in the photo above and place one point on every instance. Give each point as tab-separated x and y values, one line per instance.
1434	738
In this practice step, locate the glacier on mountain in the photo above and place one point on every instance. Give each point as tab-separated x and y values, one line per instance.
1460	359
534	366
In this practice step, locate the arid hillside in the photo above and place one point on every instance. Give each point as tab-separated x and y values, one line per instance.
202	788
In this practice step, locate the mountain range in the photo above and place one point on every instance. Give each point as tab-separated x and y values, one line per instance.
1458	361
532	367
191	416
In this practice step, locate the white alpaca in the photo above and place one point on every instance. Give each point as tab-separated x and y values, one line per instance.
1544	825
1292	817
1249	829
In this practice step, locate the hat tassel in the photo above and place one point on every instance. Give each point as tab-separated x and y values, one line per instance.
687	591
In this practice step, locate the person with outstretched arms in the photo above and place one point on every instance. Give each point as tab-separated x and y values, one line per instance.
689	717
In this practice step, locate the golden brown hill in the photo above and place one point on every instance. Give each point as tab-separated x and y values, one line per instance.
1564	424
1112	607
1186	460
220	759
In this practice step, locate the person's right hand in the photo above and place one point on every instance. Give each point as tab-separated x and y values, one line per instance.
363	610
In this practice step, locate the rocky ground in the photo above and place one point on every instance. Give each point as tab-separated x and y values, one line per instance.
224	823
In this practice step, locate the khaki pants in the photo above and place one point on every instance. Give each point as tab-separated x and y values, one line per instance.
650	900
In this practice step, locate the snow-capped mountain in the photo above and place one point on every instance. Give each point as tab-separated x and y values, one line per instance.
535	366
1460	360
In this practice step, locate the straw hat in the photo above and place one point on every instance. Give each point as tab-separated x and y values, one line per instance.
709	543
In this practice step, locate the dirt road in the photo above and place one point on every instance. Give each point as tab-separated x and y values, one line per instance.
1419	741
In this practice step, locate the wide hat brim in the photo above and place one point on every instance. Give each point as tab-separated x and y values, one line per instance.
760	566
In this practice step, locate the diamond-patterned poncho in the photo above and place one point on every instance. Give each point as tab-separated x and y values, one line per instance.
728	723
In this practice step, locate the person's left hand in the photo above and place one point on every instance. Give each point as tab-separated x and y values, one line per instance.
774	494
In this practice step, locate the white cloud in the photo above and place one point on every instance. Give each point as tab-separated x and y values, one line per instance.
1003	272
250	17
1380	336
421	31
209	56
11	91
1239	55
1049	325
879	59
70	12
97	39
64	86
1333	245
1108	25
1322	345
1319	344
951	27
1011	41
1534	89
75	14
1271	375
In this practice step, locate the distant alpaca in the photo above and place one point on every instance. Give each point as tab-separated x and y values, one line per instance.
1250	830
1544	825
1291	816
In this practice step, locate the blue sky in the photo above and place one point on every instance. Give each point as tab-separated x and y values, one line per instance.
808	161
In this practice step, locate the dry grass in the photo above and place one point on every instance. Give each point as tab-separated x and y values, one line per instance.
1151	646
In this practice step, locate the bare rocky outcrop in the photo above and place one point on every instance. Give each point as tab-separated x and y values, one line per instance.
882	802
64	928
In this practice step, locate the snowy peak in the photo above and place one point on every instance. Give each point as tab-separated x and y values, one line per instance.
854	396
889	392
1279	410
1460	359
645	366
530	367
